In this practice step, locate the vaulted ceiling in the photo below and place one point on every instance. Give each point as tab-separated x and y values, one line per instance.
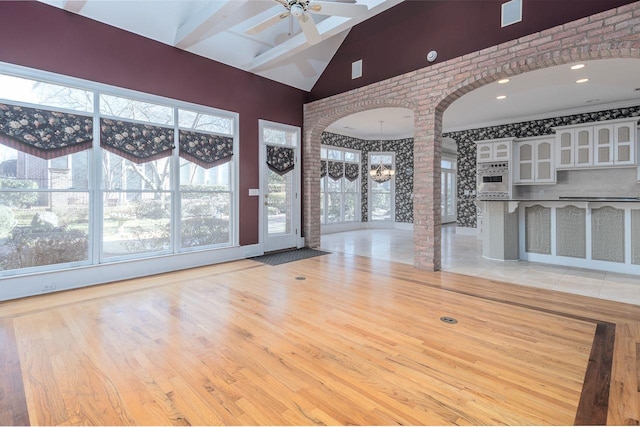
220	30
217	29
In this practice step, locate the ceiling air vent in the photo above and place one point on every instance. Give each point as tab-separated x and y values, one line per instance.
356	69
511	12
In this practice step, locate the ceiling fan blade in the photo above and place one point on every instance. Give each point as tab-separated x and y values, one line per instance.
348	10
309	29
266	24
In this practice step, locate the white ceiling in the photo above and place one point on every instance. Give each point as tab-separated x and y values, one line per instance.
545	93
215	29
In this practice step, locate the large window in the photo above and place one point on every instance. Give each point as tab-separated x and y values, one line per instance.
340	185
382	192
88	177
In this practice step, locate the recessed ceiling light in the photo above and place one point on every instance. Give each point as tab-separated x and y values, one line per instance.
503	81
501	96
577	66
582	80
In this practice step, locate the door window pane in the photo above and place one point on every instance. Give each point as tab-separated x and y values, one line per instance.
279	199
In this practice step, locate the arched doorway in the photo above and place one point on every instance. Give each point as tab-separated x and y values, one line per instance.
429	92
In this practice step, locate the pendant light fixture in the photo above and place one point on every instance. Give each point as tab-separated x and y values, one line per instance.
382	172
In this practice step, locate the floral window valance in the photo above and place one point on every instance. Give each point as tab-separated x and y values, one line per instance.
323	168
351	171
44	133
336	170
280	159
137	142
204	149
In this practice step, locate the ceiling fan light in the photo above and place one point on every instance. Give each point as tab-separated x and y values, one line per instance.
297	10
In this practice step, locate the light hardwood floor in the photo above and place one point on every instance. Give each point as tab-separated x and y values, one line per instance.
358	341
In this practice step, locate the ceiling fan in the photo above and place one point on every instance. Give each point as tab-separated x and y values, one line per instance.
301	10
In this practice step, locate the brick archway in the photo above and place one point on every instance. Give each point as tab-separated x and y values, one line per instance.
429	91
311	163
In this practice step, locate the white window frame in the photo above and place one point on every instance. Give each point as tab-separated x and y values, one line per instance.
392	191
19	283
340	225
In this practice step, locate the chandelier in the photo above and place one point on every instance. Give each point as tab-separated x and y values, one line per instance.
382	172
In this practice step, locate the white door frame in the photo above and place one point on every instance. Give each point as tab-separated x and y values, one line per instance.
296	225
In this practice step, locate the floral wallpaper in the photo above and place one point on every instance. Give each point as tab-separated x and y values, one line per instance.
205	150
404	170
136	142
44	133
466	177
280	159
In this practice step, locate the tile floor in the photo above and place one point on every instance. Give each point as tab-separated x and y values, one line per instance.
463	254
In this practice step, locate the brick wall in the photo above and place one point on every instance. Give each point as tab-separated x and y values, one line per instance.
429	91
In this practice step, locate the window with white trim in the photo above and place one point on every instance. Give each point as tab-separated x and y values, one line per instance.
90	176
340	188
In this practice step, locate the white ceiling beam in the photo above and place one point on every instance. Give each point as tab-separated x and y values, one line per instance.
216	17
74	6
327	28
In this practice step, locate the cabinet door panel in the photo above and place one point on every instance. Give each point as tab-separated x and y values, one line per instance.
584	147
526	173
624	144
485	152
603	145
544	171
564	153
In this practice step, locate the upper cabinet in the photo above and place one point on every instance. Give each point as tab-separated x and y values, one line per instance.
610	143
497	150
533	161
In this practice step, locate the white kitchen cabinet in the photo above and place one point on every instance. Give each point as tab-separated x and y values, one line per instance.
545	171
534	161
625	143
484	152
498	150
583	147
564	148
574	147
602	144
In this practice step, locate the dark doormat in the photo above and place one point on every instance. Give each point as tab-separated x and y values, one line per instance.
278	258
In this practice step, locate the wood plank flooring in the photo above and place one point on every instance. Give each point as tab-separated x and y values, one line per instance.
358	341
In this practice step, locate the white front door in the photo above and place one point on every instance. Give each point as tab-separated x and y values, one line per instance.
280	183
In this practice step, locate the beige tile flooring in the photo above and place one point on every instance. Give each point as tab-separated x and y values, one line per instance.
462	254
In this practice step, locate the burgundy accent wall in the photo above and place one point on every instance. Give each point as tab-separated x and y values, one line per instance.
40	36
397	41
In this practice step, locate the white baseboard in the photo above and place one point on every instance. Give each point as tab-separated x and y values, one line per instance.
13	287
339	228
403	226
467	231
